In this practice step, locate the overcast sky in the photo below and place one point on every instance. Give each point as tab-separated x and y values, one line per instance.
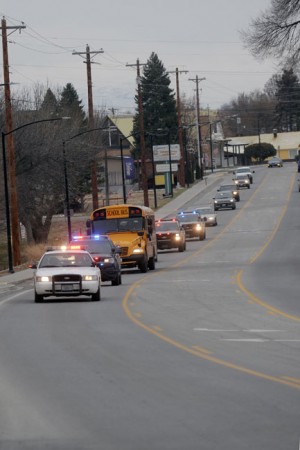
198	36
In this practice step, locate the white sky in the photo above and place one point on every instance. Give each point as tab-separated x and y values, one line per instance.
199	36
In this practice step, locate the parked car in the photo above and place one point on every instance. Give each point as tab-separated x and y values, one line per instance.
224	200
169	234
275	162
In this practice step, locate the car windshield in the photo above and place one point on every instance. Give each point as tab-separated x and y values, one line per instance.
227	187
95	246
207	210
224	194
66	259
243	170
166	226
188	217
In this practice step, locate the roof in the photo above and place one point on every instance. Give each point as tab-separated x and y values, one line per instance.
281	141
124	125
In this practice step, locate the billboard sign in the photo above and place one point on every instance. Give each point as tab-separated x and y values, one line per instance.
161	152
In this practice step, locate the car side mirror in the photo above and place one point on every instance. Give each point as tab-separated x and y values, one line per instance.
140	233
32	266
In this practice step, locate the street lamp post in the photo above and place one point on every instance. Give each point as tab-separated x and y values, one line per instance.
13	240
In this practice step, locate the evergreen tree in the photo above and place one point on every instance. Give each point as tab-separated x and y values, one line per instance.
49	104
288	97
71	106
159	106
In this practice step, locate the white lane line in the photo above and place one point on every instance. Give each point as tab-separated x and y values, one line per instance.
263	331
212	329
245	340
14	296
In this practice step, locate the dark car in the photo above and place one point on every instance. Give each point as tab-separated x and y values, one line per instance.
224	200
169	234
233	188
192	224
105	254
242	181
275	162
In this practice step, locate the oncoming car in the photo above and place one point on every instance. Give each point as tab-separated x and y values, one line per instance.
169	234
224	200
207	214
66	273
242	181
245	170
234	188
105	254
192	224
275	162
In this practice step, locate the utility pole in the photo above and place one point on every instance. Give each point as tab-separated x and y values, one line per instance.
182	161
142	133
200	153
14	219
88	63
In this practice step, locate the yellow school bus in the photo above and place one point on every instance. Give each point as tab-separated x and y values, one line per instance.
130	227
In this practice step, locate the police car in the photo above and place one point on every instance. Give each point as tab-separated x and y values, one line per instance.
66	273
105	254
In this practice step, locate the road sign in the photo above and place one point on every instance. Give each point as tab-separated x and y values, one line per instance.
163	168
161	152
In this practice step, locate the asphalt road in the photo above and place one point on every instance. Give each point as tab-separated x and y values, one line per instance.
201	354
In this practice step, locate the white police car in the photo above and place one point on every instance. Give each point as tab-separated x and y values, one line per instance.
66	273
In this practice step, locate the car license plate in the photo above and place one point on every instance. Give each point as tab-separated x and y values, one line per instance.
223	204
67	287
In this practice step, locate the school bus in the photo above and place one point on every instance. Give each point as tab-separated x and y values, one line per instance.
130	227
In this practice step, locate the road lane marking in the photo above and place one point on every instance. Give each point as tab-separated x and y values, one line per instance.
202	355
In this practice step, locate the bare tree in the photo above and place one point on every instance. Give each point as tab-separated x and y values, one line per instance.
276	32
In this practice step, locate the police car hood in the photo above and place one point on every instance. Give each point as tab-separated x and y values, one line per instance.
72	270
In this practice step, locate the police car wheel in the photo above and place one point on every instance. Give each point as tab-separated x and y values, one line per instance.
96	297
38	298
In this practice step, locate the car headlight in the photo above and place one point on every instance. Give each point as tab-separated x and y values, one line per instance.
235	192
107	261
232	200
198	227
43	279
138	250
90	278
247	181
236	182
177	237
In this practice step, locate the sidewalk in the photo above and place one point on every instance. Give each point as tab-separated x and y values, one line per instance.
209	182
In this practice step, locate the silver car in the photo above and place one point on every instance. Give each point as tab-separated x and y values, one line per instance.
207	214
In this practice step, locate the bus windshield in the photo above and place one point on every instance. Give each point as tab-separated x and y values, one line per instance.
118	225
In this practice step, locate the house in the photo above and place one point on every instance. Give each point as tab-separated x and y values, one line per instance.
287	145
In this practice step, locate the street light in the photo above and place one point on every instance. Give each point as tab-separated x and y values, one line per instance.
12	232
67	197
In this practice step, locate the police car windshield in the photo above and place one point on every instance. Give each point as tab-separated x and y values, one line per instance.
66	259
188	217
95	246
166	226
